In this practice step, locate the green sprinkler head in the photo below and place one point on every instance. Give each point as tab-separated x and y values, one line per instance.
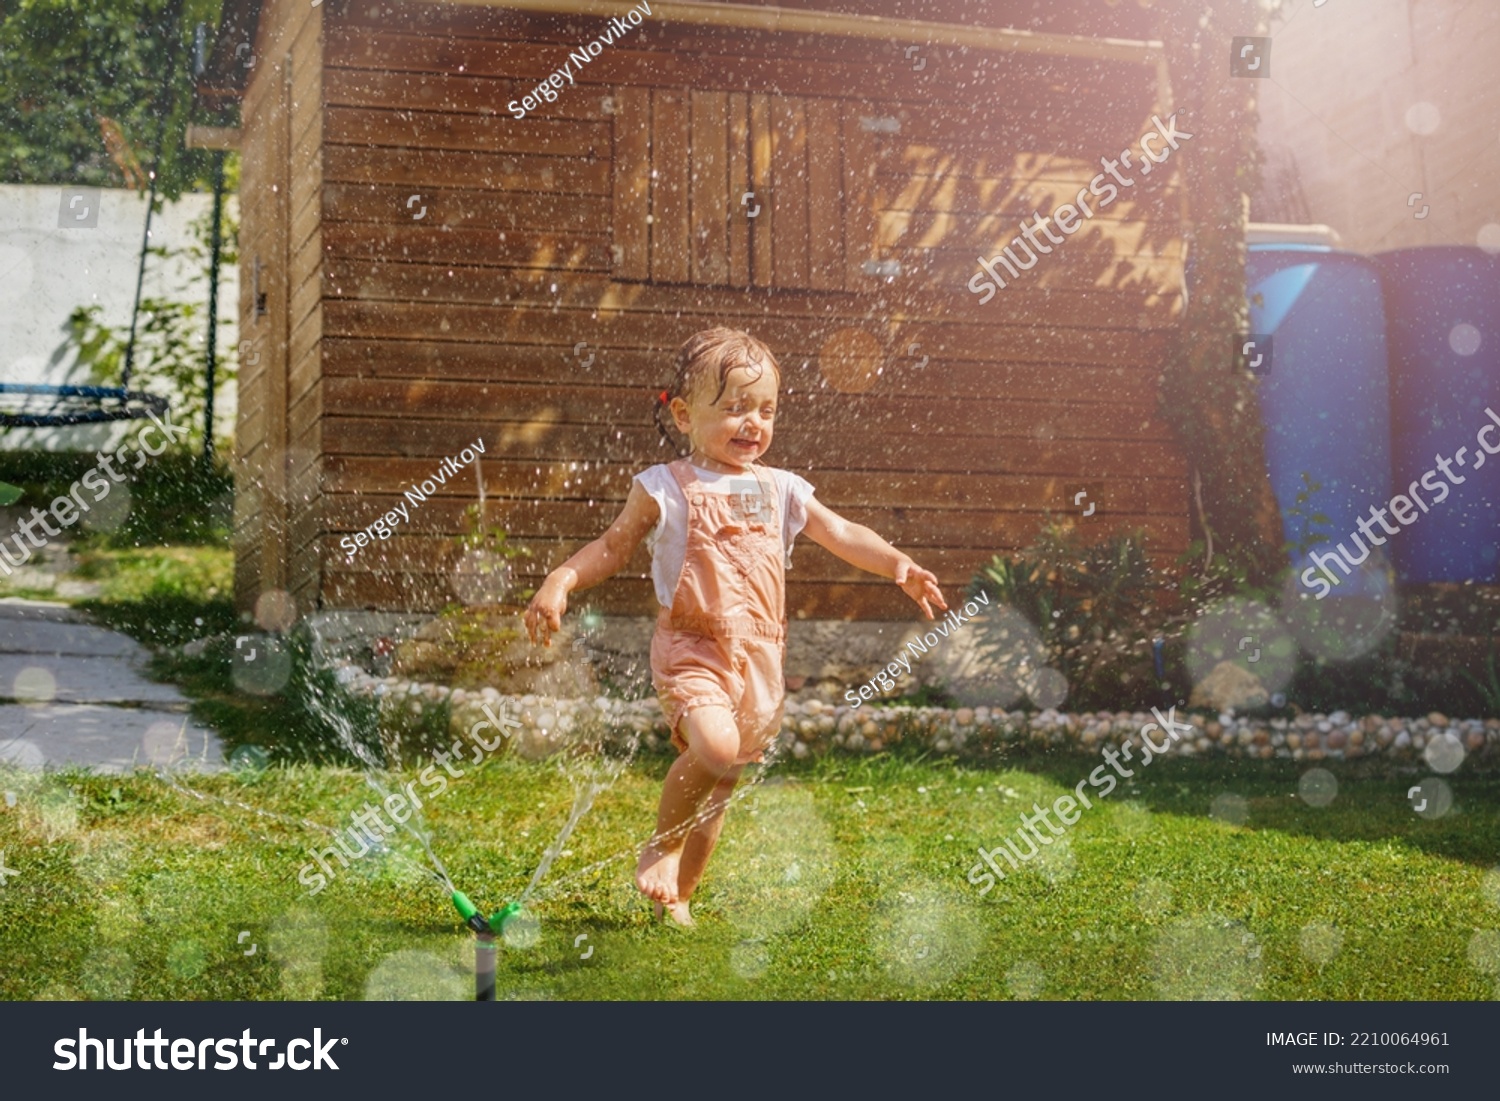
470	913
500	916
476	921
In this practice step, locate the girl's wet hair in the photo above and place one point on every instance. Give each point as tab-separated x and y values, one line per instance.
702	357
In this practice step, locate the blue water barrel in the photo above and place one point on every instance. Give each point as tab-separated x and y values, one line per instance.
1443	310
1325	402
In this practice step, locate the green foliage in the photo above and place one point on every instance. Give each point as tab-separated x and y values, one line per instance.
170	348
166	351
70	63
43	475
1489	688
491	537
162	596
1298	510
1096	610
925	695
1212	408
1096	607
183	500
488	553
1229	574
175	498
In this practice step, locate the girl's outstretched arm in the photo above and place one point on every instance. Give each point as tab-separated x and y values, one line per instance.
859	546
600	560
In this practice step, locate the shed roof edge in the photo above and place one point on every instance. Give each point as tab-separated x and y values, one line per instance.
767	17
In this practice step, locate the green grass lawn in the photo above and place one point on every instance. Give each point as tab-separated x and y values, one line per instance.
835	879
841	878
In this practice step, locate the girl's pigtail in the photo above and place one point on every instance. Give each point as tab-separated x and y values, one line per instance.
659	407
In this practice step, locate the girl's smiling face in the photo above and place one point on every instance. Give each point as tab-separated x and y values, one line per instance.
734	431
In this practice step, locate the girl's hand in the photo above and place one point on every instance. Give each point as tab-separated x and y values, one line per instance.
921	585
544	614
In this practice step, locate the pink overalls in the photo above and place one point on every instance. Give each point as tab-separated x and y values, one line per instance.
723	640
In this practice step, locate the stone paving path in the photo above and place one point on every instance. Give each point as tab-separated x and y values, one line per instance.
72	693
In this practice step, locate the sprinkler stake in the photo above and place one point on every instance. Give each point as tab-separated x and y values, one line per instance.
484	950
484	967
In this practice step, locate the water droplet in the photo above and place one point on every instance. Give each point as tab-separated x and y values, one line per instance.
1025	980
1231	808
1464	339
1320	943
1318	787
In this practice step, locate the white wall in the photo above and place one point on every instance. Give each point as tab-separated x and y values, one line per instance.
1380	100
52	260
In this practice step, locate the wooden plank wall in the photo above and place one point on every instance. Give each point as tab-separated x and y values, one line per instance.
278	432
463	322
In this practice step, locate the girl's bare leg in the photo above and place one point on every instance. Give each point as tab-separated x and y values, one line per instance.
713	743
701	841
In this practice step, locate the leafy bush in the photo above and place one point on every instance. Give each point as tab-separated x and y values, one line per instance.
73	68
174	499
182	500
483	573
1095	610
170	355
1094	607
1489	688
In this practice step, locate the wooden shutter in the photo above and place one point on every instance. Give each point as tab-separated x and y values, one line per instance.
825	195
859	166
671	175
709	144
632	184
746	189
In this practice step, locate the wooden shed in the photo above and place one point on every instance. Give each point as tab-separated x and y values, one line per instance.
423	268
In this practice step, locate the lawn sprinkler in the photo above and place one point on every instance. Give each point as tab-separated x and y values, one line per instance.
486	930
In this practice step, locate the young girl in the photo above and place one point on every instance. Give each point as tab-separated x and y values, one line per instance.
720	528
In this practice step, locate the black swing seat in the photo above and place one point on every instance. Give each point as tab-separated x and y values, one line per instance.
43	405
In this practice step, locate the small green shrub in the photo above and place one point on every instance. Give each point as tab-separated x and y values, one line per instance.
170	354
485	553
1489	688
1095	608
175	498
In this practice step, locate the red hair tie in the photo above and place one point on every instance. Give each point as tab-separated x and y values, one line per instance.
663	398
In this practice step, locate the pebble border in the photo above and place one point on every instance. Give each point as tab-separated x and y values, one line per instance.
813	727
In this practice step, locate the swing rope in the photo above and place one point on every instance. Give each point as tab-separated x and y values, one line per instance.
163	108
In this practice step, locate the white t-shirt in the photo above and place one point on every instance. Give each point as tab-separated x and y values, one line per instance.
668	540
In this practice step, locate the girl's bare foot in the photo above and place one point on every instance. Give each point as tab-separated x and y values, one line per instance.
656	874
678	911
